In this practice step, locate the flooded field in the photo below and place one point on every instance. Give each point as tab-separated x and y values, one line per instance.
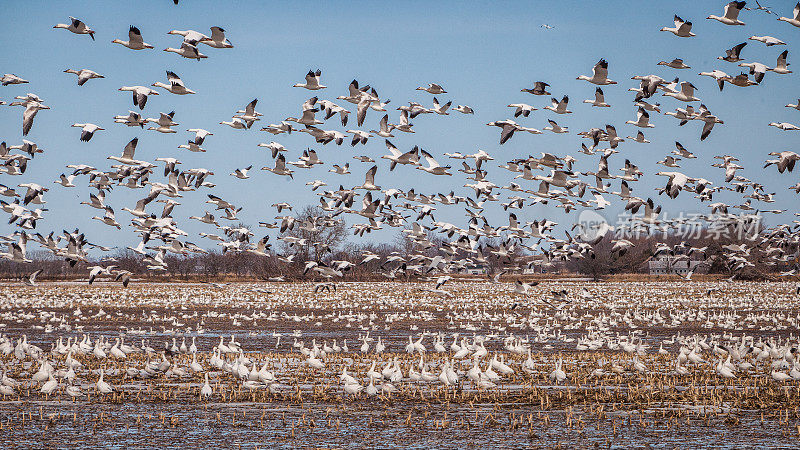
389	365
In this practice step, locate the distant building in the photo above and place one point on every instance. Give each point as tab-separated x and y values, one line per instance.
671	265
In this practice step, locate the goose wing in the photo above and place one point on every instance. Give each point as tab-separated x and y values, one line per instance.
135	36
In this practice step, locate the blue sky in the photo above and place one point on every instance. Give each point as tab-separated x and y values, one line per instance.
483	53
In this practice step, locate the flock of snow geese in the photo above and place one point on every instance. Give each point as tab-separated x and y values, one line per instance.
453	340
387	206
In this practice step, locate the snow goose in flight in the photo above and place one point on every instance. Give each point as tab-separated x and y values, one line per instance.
249	113
84	75
31	108
280	167
369	180
559	107
599	99
686	94
441	109
312	81
217	39
340	170
508	128
199	136
405	126
275	147
10	78
648	107
432	88
433	166
76	26
87	130
718	75
385	130
359	136
397	157
676	63
669	161
709	121
308	118
555	128
128	153
786	160
65	180
732	54
164	122
682	152
639	138
599	74
781	64
731	14
642	119
757	69
793	20
682	28
242	173
188	50
795	106
175	85
135	41
741	80
190	35
785	126
140	94
133	119
769	40
539	88
463	109
237	123
522	109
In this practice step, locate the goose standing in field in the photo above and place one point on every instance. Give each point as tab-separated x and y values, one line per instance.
188	50
87	130
793	20
84	75
135	41
140	94
217	39
642	119
175	85
312	81
539	88
599	74
77	27
781	66
133	119
164	123
731	14
599	99
682	28
10	78
768	40
732	54
676	63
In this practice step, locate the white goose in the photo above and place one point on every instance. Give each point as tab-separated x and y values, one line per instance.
312	81
84	75
87	130
599	74
175	85
682	28
731	14
793	20
76	26
135	41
